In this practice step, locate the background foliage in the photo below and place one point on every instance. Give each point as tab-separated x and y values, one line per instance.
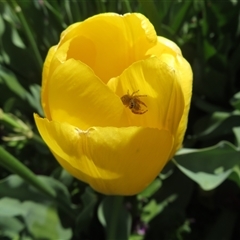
196	196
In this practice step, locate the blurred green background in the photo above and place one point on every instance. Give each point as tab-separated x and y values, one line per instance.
196	197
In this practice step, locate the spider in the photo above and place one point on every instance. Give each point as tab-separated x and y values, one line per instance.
133	102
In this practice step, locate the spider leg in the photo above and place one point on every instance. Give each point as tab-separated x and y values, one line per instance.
134	92
138	112
140	102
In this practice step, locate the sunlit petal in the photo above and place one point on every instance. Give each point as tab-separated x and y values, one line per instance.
120	161
159	82
80	98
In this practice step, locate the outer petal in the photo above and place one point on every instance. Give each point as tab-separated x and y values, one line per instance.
45	76
75	95
164	46
169	52
109	41
116	161
159	81
185	79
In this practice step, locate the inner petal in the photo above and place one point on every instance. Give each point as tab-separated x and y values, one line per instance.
78	97
164	100
109	43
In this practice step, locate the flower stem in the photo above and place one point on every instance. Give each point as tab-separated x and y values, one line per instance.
113	223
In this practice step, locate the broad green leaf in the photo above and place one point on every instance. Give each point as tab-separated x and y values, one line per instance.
12	83
16	39
15	187
209	167
89	200
216	125
151	189
12	164
153	208
10	207
10	227
43	222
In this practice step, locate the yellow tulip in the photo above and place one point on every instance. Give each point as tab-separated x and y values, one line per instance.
116	144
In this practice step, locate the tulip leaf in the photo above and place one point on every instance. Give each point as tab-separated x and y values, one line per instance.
235	101
208	167
218	123
10	207
153	208
115	218
42	221
180	15
209	50
10	227
89	200
151	189
15	187
34	98
12	164
236	131
41	218
16	39
151	12
12	83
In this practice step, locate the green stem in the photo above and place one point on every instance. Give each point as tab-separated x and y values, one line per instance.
9	121
13	124
9	162
28	32
15	166
127	5
113	223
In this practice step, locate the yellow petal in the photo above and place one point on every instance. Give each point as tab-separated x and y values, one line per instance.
109	43
115	161
166	46
75	95
185	78
45	78
164	100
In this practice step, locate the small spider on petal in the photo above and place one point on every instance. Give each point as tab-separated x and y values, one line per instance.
133	102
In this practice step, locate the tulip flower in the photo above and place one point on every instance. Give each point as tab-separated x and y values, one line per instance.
116	99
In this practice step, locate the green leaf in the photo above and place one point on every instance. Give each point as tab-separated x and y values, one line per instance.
149	9
15	187
43	222
180	16
34	98
236	131
10	207
209	167
10	227
12	164
89	200
151	189
235	101
153	208
2	26
209	50
12	83
16	39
